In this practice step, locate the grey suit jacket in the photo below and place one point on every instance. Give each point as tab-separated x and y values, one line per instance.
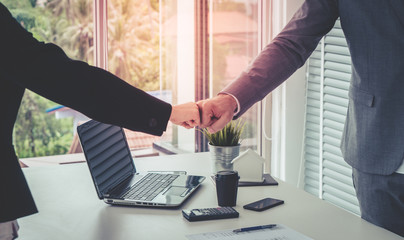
373	139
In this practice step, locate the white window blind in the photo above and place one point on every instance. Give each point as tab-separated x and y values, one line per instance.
327	175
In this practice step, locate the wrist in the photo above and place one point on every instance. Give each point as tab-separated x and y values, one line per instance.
172	115
230	100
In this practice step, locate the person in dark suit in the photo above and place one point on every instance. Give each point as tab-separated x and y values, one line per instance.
373	139
26	63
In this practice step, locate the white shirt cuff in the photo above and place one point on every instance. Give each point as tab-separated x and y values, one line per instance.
238	103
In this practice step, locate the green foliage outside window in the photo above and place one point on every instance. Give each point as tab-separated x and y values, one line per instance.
37	133
133	42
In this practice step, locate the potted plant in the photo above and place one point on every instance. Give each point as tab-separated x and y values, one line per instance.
224	145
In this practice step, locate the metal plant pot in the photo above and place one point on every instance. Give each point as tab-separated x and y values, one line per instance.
222	156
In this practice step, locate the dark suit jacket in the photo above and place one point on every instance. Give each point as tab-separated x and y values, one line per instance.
43	68
373	139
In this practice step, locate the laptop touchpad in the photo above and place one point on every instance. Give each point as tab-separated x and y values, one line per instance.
176	191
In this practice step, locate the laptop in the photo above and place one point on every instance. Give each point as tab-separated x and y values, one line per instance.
114	173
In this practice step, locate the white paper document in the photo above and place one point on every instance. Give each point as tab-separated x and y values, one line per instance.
280	232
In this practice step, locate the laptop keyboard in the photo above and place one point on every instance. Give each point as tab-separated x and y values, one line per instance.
149	186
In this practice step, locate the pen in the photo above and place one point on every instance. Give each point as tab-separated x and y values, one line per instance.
254	228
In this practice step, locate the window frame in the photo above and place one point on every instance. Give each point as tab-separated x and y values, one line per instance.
100	16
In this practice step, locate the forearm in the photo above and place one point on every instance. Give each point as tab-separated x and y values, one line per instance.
285	54
96	93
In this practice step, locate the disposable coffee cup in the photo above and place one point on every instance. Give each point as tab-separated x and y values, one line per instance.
226	187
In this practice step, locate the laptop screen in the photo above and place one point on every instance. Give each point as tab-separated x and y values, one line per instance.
107	154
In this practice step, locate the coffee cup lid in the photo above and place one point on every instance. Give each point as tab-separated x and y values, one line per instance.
226	173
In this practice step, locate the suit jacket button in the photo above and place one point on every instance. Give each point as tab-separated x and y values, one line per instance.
152	122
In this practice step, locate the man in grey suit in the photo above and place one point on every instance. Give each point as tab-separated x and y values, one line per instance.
373	140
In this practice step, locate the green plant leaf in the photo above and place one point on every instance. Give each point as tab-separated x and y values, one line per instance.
230	135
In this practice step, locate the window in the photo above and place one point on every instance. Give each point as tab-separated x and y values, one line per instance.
197	62
152	45
326	173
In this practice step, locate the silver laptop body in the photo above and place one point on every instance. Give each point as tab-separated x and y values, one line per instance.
114	174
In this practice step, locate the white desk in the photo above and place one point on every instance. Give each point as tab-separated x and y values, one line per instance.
70	209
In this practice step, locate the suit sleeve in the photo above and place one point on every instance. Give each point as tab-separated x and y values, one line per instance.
46	70
285	54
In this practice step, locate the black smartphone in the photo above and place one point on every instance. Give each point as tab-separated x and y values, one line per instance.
263	204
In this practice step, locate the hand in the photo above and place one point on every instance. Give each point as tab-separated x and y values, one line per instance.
186	115
216	112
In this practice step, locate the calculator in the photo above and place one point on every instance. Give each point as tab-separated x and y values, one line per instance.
201	214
